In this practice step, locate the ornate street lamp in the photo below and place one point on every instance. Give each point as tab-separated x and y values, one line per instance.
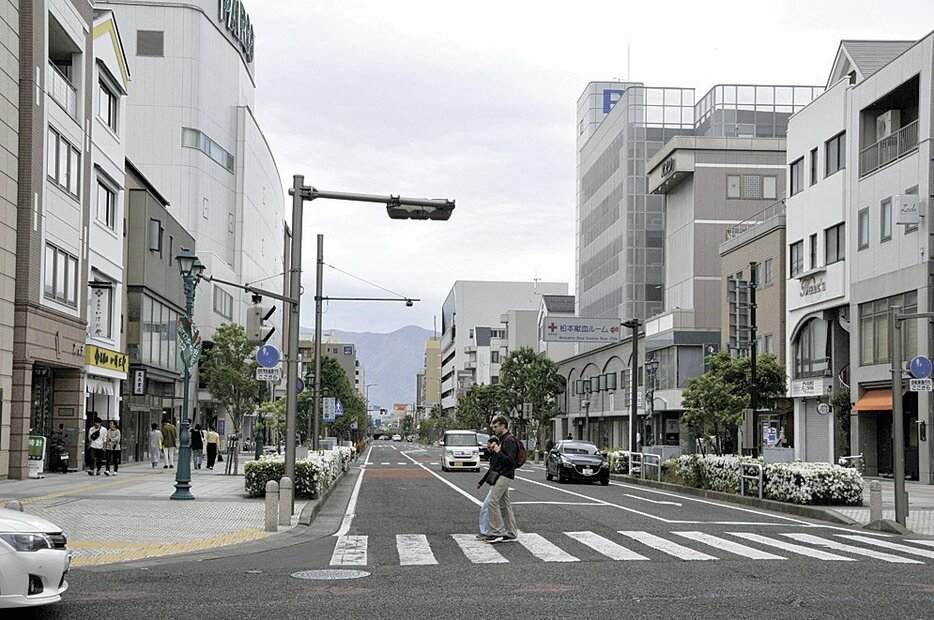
191	270
651	367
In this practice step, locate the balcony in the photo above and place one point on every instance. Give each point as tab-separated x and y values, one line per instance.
62	91
888	149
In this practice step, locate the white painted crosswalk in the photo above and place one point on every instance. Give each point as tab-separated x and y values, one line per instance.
630	545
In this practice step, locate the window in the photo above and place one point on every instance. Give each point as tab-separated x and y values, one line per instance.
194	139
752	186
768	272
107	106
796	258
812	349
863	228
158	341
835	154
733	186
812	245
150	43
106	205
874	329
795	174
64	163
494	357
61	276
768	344
155	235
814	165
885	220
770	187
910	228
100	310
223	302
835	244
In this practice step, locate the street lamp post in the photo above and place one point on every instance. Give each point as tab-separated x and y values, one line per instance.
633	324
191	269
651	367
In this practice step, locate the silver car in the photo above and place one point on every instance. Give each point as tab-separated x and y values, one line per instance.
33	560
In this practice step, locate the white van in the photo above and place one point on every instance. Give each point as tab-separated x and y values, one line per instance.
459	450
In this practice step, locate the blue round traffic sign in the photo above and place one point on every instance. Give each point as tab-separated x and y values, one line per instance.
267	356
920	367
299	385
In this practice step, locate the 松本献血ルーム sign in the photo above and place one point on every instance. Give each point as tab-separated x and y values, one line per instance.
572	329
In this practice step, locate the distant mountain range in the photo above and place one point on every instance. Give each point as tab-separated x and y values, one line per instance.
391	360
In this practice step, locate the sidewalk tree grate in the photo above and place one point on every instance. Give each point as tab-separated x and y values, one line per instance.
330	574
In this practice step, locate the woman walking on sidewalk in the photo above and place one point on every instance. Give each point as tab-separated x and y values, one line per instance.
197	445
112	447
213	439
155	444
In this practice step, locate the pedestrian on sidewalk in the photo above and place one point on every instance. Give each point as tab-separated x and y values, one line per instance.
112	448
212	440
96	436
155	445
169	443
486	533
197	445
503	460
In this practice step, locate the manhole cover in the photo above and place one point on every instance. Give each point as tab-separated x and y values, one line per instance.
330	574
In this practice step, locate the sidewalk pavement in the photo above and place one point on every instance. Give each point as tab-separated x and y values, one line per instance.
130	516
920	505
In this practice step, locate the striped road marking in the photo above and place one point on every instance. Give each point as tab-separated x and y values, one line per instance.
929	543
478	551
832	544
792	548
729	546
543	549
349	551
414	550
666	546
605	546
924	553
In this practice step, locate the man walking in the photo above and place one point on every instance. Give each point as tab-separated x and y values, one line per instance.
503	460
96	437
169	439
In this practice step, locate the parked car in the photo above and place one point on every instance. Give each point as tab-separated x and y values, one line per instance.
577	460
397	437
33	560
459	450
482	438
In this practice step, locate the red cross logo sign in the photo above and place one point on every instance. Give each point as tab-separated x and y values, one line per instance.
552	327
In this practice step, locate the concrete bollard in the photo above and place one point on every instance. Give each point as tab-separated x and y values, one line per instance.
875	501
14	504
285	501
272	506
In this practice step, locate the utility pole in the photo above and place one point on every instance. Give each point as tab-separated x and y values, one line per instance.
319	276
753	344
634	324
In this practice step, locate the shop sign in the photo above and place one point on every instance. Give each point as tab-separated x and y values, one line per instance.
668	166
235	18
813	285
574	329
906	210
105	358
139	382
35	453
803	388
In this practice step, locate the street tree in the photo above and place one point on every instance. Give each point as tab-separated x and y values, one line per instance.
407	426
229	370
334	384
714	402
478	407
529	377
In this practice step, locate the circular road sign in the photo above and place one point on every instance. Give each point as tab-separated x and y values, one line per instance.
823	408
267	356
920	367
299	385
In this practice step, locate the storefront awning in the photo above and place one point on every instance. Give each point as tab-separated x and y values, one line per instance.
96	386
875	400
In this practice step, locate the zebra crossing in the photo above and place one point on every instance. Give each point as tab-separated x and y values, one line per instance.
419	550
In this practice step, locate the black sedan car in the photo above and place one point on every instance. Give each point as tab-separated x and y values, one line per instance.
577	460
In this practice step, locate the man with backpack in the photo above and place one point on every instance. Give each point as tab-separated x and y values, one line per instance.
506	457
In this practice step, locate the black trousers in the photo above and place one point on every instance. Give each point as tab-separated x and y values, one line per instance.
212	454
97	458
113	458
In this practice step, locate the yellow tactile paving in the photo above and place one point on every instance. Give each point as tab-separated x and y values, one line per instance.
84	489
109	552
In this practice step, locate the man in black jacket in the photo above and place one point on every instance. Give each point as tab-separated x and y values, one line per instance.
503	460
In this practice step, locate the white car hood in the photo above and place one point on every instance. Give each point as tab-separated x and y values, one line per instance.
22	522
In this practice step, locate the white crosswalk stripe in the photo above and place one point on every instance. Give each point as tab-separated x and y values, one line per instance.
349	551
929	543
792	548
666	546
414	550
478	551
832	544
544	549
729	546
605	546
881	542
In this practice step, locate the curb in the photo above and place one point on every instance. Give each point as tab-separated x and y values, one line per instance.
313	506
810	512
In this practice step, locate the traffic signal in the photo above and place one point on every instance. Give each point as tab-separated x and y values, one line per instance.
257	332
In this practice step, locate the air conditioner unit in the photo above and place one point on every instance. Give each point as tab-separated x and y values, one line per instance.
887	123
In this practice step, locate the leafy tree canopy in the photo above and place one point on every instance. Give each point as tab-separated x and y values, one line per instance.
229	370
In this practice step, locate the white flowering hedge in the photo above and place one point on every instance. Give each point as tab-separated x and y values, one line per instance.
313	475
619	462
798	483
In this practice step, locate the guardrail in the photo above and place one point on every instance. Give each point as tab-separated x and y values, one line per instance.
638	459
856	461
744	476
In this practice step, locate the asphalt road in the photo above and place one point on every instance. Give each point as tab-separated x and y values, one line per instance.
585	551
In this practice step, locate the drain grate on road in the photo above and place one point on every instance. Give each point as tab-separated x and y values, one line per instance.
330	574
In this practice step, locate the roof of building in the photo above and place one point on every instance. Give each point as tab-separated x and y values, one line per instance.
558	303
865	57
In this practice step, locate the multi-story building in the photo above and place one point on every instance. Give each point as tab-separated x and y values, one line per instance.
53	201
107	361
554	306
470	318
192	130
9	157
331	346
429	384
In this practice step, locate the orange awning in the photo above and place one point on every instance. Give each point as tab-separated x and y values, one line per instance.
875	400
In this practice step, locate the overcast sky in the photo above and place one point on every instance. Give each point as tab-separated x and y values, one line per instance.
476	101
